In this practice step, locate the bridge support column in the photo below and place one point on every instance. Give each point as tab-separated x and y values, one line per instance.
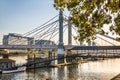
69	52
60	51
69	33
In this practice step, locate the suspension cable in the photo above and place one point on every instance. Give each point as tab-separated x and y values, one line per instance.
37	34
40	26
110	37
53	32
41	29
48	28
106	41
46	33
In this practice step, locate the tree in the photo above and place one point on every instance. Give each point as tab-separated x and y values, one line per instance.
89	16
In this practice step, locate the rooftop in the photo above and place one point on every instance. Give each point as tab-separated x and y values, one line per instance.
6	60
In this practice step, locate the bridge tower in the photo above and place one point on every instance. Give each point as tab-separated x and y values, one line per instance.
60	51
69	52
69	33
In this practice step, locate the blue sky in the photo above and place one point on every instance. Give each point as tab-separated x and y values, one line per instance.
20	16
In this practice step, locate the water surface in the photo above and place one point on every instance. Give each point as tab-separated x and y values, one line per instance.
96	70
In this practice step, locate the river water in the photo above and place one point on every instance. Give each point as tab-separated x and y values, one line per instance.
96	70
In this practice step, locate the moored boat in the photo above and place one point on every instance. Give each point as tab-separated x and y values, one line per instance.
13	70
8	65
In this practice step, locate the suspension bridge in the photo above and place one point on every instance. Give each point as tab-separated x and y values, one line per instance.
50	31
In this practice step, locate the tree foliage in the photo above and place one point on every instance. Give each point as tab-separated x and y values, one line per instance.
89	16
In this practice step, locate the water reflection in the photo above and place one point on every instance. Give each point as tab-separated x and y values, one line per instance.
97	70
54	73
19	59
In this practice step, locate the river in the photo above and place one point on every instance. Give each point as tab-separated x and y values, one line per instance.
92	70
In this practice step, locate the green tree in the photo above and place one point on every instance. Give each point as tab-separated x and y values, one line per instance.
89	16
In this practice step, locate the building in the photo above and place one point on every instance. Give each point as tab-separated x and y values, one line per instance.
17	39
44	42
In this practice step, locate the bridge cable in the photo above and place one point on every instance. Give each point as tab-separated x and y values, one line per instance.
42	34
46	33
42	29
110	37
106	41
40	26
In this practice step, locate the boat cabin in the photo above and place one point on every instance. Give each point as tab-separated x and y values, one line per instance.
6	63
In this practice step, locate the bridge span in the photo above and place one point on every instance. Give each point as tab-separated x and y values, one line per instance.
96	48
33	47
66	47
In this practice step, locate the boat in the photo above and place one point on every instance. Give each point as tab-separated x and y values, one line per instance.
8	65
13	70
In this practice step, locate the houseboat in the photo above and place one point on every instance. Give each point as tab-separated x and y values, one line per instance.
8	65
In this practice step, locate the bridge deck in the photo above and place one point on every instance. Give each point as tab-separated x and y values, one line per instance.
69	47
96	48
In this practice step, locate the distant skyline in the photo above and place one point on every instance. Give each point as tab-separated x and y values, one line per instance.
21	16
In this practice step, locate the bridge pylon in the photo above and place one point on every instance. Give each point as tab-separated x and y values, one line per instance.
69	52
60	51
69	33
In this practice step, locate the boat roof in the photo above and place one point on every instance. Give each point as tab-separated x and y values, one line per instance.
4	60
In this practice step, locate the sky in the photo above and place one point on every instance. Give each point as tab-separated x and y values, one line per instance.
21	16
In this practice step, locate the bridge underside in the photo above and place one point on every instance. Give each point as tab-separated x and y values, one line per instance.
67	47
96	48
